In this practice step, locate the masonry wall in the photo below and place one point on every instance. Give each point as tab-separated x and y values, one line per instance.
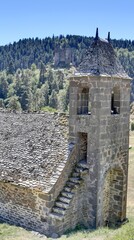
24	207
80	123
113	151
112	197
107	141
30	207
78	213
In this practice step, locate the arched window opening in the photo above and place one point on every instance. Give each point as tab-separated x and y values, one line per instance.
115	101
84	107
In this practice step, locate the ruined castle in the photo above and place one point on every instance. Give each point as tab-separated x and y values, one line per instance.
57	171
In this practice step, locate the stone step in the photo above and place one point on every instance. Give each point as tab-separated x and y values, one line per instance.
74	179
56	216
79	169
62	204
67	189
76	174
67	194
64	199
59	210
82	163
71	184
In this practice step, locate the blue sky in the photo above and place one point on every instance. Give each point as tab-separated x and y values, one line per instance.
41	18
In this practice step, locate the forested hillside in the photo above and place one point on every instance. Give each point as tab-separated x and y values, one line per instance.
25	52
34	72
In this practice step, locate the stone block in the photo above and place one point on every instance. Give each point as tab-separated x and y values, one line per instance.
49	204
44	196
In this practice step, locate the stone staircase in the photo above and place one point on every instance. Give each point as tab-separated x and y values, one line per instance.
68	192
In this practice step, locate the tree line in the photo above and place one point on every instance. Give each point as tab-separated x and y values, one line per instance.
29	79
25	52
33	89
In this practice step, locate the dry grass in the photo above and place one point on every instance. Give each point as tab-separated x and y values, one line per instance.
130	199
8	232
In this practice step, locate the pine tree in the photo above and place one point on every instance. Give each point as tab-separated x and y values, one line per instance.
53	100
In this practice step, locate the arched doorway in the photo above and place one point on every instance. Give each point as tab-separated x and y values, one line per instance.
113	197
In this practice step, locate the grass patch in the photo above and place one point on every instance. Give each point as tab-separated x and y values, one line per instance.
48	109
125	232
9	232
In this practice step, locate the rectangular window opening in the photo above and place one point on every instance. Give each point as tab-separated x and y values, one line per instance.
115	101
84	106
82	144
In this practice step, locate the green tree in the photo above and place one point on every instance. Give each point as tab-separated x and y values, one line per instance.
60	79
33	67
23	88
45	92
42	77
50	78
53	100
3	85
2	105
14	104
11	90
38	100
62	103
10	68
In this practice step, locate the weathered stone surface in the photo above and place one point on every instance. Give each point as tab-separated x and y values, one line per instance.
33	148
45	197
107	133
20	206
101	60
54	235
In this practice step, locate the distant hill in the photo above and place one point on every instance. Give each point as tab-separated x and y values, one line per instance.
34	72
60	50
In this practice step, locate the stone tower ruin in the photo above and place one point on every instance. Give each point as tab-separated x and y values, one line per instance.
99	126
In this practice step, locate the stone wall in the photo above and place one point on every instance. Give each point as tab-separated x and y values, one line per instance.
113	197
30	207
65	173
108	139
87	124
27	204
34	167
24	207
78	213
113	146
